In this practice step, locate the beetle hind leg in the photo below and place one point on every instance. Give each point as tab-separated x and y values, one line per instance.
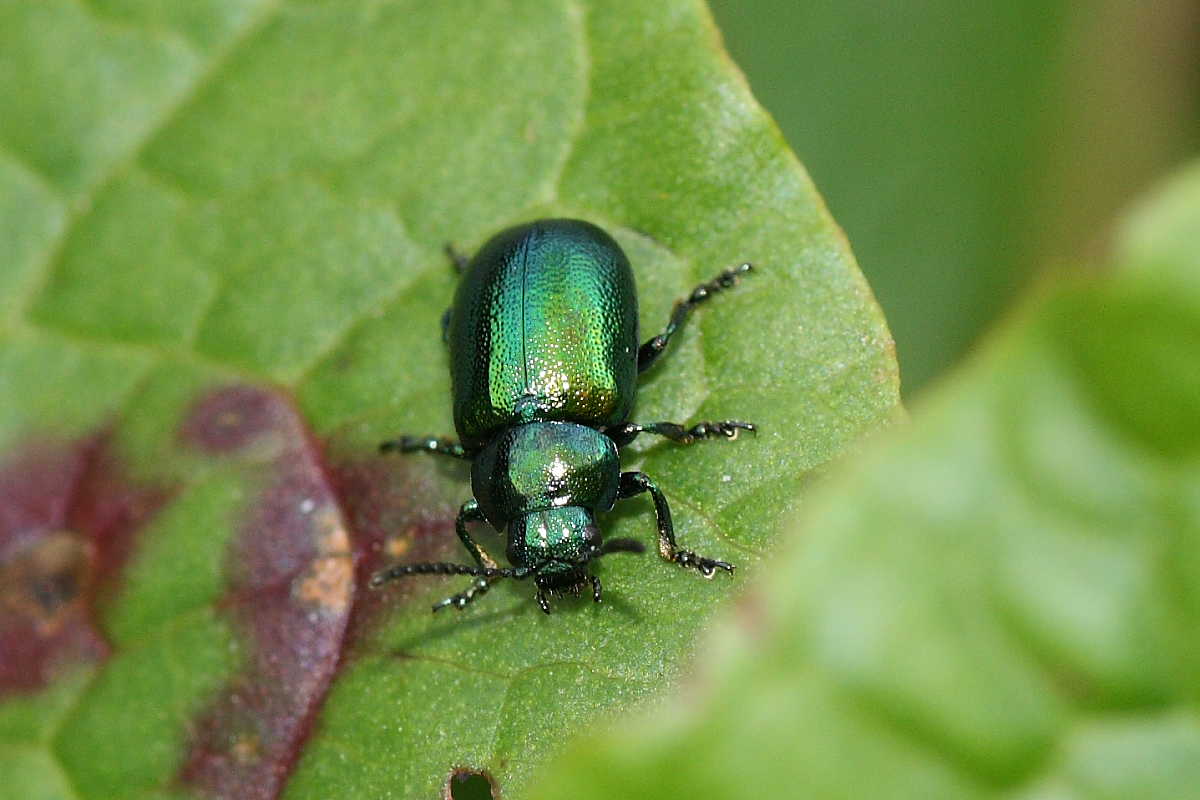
649	352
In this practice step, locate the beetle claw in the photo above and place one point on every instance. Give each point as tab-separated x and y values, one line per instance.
707	566
522	454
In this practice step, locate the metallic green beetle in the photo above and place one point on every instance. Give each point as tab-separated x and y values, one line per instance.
544	358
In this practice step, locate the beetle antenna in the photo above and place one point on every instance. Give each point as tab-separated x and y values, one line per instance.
622	546
443	568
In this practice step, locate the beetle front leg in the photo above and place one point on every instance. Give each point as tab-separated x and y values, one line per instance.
728	428
470	512
634	483
649	352
423	444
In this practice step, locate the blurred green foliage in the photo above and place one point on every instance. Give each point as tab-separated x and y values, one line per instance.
1000	601
963	145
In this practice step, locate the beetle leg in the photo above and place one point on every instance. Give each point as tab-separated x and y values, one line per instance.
460	261
478	587
729	428
470	513
423	444
651	350
634	483
484	578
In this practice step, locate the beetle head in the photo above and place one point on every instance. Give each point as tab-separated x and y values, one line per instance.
558	544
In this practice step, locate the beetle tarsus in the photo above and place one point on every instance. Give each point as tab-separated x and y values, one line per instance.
729	428
649	352
707	566
725	428
540	419
634	483
463	598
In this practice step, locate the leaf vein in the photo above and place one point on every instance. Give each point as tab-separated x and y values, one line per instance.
206	78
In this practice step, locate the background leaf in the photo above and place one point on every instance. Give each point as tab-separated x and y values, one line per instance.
1000	602
966	148
222	234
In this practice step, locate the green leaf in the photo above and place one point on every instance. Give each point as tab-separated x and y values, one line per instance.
999	601
1023	127
222	226
926	125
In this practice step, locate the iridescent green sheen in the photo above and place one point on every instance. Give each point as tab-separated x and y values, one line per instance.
541	465
563	540
544	360
544	326
546	481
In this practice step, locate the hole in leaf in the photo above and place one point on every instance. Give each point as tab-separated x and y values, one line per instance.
467	784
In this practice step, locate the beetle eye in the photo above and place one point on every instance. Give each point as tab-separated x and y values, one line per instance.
543	441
